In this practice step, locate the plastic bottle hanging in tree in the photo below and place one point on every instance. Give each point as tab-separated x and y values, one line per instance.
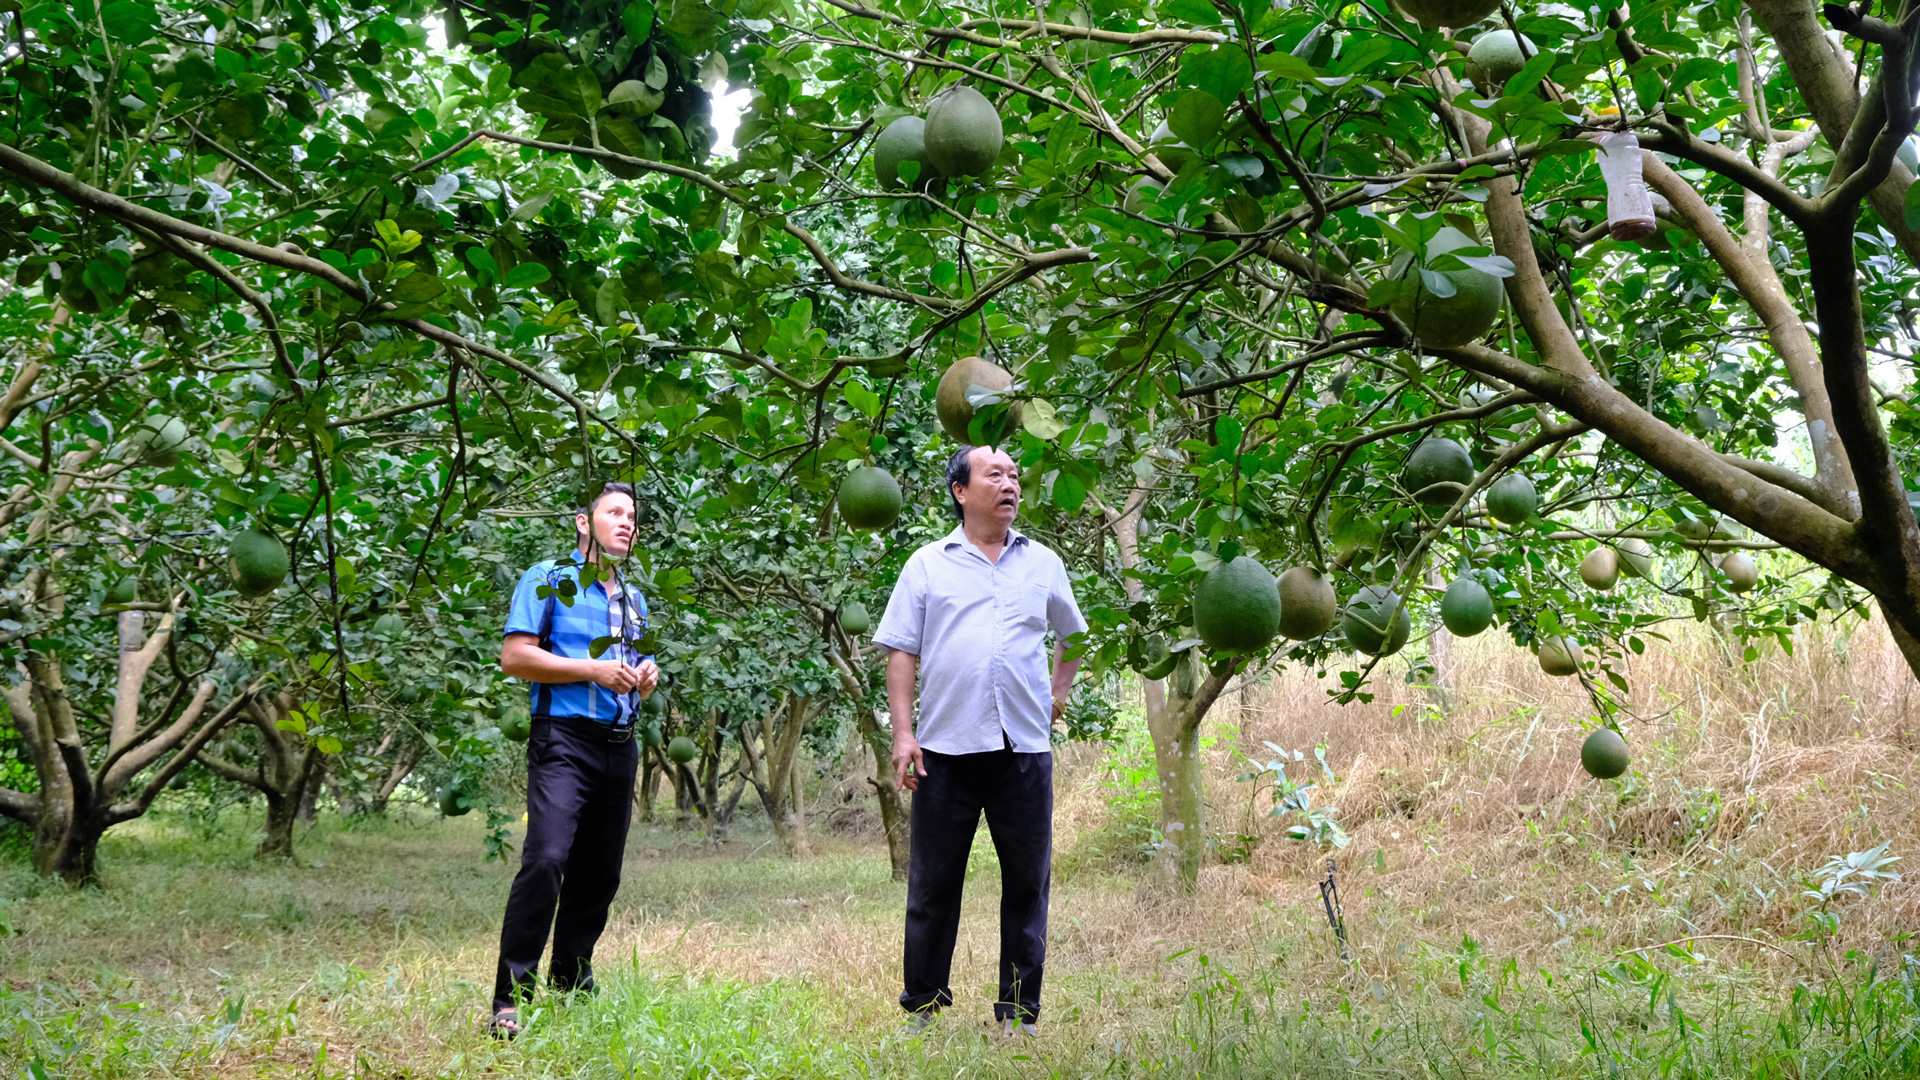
1629	204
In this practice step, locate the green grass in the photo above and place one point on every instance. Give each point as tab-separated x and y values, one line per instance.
373	959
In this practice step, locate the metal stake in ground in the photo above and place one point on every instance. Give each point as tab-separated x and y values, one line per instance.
1336	915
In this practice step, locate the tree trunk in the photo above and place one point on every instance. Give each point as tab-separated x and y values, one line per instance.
772	774
893	809
1440	654
282	813
648	789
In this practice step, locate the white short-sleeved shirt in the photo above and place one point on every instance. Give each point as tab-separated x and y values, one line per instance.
980	628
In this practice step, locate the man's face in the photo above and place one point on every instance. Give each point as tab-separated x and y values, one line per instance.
993	497
612	524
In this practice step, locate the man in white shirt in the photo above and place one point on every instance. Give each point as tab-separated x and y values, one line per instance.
970	615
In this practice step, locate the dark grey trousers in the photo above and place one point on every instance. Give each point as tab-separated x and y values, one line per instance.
1015	791
579	804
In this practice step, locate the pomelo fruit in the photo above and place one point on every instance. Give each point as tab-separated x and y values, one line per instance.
1442	322
1604	754
1376	621
517	725
950	397
854	618
124	591
1560	656
1136	200
1466	608
963	133
258	562
903	140
1308	606
869	498
1600	569
1236	607
1159	660
1498	56
682	749
390	625
1512	499
1456	14
1742	573
453	801
157	440
1167	146
650	734
1687	525
1637	559
1437	472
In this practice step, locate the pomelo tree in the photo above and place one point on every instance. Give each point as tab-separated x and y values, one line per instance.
1242	262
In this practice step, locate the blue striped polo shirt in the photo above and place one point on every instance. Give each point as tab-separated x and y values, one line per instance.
592	615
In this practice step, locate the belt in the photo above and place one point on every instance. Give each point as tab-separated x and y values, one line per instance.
581	725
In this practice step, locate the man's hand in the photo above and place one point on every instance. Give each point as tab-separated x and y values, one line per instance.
1059	708
908	765
621	677
649	677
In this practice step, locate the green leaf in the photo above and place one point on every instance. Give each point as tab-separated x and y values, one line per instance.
1223	71
526	275
863	399
635	99
1910	210
327	744
1196	117
1041	421
418	288
1069	492
637	20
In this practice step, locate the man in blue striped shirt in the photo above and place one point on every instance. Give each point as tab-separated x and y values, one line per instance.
581	757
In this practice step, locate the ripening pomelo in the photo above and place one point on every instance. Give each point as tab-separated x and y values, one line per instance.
1442	322
158	440
1437	472
869	498
258	562
1376	621
517	724
854	618
1457	14
1236	607
1308	606
1512	499
1637	559
963	134
1604	754
1467	607
950	397
1600	569
1742	573
904	140
682	749
453	801
1498	56
1560	656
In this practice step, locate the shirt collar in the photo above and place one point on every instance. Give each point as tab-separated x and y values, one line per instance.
958	538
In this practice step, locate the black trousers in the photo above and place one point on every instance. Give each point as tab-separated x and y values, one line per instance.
1016	793
579	804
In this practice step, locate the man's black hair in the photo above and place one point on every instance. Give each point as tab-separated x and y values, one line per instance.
611	487
959	471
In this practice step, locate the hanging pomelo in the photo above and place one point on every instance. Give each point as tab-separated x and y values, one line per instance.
1442	322
1437	472
1455	14
258	562
1742	573
963	134
1236	607
1604	754
870	498
854	618
1637	559
1512	499
1560	656
1308	606
904	140
1376	621
1466	608
950	397
1495	57
682	750
1600	569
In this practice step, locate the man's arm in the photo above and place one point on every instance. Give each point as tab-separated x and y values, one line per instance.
1064	671
908	764
521	657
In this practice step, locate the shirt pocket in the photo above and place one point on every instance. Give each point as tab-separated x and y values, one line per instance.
1033	606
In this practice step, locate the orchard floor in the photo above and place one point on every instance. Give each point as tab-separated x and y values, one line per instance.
1508	918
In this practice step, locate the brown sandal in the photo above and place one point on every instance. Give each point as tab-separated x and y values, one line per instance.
505	1024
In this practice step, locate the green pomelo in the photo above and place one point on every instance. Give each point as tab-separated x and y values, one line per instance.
1637	560
258	562
1236	607
1167	146
1512	499
390	626
1136	200
1688	526
650	735
1308	606
517	725
682	749
1456	14
1442	322
1437	472
1742	573
654	704
904	140
963	134
1467	607
870	498
950	397
1376	621
854	618
125	591
1159	660
1560	656
453	801
157	441
1498	54
1600	569
1604	754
